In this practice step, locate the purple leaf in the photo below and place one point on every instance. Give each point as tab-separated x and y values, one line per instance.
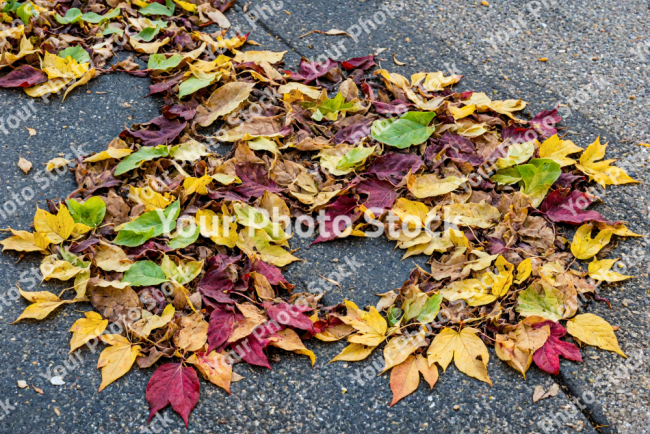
164	85
166	133
544	122
571	208
363	63
185	110
330	229
381	194
566	180
272	273
222	323
393	167
310	71
255	181
80	247
395	107
353	133
24	76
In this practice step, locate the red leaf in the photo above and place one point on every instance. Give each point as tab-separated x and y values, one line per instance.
328	228
255	181
393	167
174	384
547	358
291	315
310	71
273	274
544	122
24	76
362	63
381	194
570	209
220	327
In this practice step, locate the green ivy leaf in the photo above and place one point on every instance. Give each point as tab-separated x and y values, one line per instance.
410	129
182	240
77	53
146	153
430	309
160	221
144	273
93	18
90	213
162	62
191	85
73	15
537	177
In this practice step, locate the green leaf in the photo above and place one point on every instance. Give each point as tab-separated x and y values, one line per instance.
26	11
112	30
147	34
410	129
252	217
162	62
158	9
90	213
330	108
537	177
144	273
355	157
430	309
11	6
191	85
506	176
161	221
394	314
93	18
549	306
77	53
73	259
146	153
182	240
183	273
133	239
71	16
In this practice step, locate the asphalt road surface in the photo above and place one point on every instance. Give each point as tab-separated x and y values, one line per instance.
597	67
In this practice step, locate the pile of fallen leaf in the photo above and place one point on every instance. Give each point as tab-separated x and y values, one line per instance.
183	248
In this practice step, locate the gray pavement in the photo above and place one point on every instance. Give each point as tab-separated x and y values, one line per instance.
605	394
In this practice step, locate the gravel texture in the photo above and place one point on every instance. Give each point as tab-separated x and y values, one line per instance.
294	397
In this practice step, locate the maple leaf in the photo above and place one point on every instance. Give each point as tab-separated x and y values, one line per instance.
518	346
468	351
585	247
85	329
570	208
405	378
176	385
44	303
601	171
557	150
547	358
214	367
601	270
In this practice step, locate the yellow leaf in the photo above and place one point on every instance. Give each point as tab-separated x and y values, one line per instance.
310	91
149	322
593	330
404	379
85	79
197	185
214	367
53	268
190	7
23	241
413	213
272	254
85	329
193	333
557	150
431	185
109	257
585	247
516	347
619	229
258	56
219	228
434	81
462	112
117	359
151	200
57	67
290	341
524	270
508	106
57	228
470	290
56	163
601	270
430	373
149	48
400	348
371	329
223	101
466	349
480	215
601	171
353	353
51	86
108	154
44	303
